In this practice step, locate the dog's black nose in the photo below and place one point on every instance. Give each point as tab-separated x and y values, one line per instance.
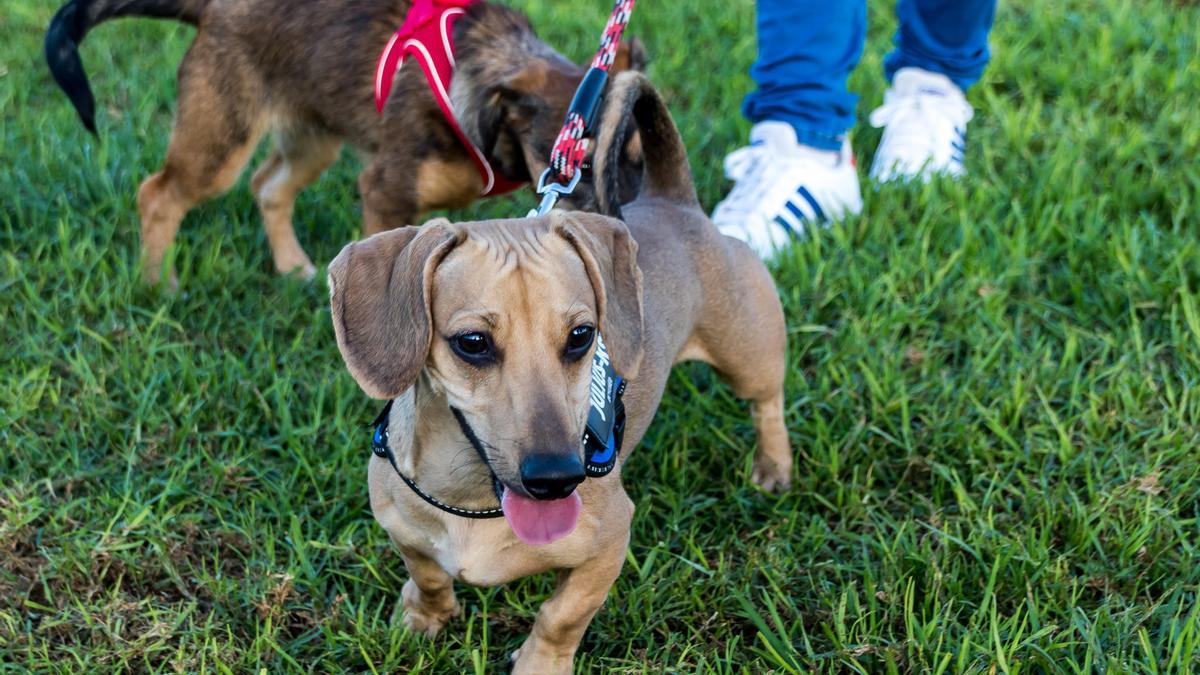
551	476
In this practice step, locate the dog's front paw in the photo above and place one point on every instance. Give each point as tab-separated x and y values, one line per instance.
425	624
420	617
770	476
530	660
163	281
297	265
305	272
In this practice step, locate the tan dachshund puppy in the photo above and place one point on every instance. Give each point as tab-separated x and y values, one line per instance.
306	71
483	335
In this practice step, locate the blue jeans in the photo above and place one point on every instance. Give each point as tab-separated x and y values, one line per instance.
807	48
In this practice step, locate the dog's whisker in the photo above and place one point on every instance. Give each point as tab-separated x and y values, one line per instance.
469	451
465	467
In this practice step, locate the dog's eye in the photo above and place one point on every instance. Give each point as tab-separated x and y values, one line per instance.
474	348
579	341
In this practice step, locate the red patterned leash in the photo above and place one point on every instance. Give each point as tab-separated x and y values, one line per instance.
570	148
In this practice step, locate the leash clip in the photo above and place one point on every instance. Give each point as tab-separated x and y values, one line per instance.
551	192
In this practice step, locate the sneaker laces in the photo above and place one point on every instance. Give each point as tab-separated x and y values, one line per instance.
741	163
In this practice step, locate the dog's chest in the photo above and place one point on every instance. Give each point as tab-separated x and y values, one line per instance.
481	553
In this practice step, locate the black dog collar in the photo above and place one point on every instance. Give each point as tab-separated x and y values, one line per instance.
379	445
602	436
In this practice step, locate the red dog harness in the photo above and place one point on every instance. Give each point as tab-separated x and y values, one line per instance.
427	34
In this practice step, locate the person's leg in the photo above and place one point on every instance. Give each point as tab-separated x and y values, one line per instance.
941	50
798	171
806	50
943	36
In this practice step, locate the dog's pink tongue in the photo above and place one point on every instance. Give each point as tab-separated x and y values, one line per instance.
538	522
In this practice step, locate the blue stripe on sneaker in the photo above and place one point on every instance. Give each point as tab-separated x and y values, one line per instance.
784	224
812	202
796	212
960	147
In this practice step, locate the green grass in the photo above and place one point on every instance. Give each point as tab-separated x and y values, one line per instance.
993	399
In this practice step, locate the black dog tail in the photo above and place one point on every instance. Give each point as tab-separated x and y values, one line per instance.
77	17
666	173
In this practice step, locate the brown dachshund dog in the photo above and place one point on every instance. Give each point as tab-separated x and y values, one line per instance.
306	70
484	337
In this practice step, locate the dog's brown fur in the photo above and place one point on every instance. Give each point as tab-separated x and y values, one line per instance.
305	70
662	287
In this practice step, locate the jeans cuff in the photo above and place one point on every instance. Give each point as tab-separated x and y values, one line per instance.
816	138
807	135
963	75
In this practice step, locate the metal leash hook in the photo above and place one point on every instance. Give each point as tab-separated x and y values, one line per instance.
551	192
572	141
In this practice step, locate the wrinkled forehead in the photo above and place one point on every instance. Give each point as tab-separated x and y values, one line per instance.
511	265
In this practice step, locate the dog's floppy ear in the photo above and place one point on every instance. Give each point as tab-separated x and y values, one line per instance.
631	55
517	105
379	293
609	255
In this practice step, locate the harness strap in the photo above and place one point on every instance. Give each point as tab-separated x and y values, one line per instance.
428	35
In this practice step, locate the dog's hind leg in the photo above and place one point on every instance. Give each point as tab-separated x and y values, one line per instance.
218	124
427	598
744	337
773	461
297	161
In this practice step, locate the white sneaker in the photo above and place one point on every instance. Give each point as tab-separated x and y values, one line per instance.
782	188
924	118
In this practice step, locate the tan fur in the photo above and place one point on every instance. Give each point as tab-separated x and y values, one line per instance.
663	286
453	184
